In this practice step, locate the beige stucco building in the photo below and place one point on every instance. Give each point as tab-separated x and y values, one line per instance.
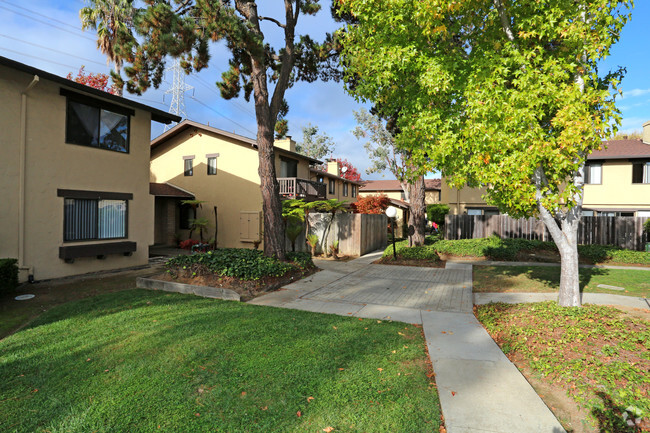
221	169
617	183
75	179
338	187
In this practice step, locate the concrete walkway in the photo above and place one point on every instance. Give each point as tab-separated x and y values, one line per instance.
480	389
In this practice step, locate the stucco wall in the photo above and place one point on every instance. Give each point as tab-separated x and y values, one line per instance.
235	187
52	164
460	200
617	189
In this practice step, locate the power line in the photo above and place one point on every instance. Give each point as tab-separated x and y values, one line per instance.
232	101
225	117
39	58
49	24
52	49
40	14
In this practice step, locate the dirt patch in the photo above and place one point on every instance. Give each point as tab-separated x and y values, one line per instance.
410	262
338	258
247	289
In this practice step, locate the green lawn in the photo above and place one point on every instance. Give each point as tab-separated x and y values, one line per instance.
535	279
140	361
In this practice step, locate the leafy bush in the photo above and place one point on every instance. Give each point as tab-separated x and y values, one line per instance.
611	253
301	259
425	252
646	227
371	204
8	274
436	213
239	263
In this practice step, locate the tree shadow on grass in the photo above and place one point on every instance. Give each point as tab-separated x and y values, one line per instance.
613	419
550	275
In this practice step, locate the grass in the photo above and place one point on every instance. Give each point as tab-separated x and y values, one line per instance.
536	279
597	354
141	361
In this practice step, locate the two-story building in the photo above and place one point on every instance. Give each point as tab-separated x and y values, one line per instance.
75	179
617	183
338	187
220	169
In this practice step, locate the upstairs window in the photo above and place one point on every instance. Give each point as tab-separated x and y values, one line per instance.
641	172
94	123
332	186
212	163
188	165
345	189
594	173
354	190
212	166
288	167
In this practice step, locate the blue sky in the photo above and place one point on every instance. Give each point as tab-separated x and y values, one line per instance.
47	35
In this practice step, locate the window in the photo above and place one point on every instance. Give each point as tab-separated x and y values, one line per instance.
345	189
402	195
588	213
186	217
332	185
482	211
474	212
212	165
320	179
90	219
188	169
593	173
288	167
641	172
88	124
354	190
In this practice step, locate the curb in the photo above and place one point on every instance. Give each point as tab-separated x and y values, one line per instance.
204	291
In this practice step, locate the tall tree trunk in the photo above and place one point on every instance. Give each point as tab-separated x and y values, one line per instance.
565	237
417	220
271	206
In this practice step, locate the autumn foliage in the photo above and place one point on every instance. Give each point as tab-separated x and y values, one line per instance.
372	204
96	80
351	173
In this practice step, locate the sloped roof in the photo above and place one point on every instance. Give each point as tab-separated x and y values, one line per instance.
156	114
239	139
622	149
167	190
326	174
394	185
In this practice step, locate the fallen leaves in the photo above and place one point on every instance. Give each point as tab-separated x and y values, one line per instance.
453	393
380	369
328	429
309	399
298	414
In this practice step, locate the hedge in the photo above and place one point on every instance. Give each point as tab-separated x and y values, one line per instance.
8	274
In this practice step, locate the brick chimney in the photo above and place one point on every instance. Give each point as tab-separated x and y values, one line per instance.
286	144
646	132
333	167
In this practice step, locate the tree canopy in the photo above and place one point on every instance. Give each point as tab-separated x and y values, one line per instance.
495	92
186	29
314	144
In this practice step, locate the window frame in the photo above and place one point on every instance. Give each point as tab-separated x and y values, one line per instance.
188	161
346	188
354	190
587	173
96	196
99	106
332	186
214	157
641	169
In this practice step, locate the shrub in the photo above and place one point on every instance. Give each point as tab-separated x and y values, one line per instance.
372	204
239	263
301	259
436	213
403	251
188	244
8	274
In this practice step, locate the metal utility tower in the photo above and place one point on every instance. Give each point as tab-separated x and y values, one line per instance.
178	90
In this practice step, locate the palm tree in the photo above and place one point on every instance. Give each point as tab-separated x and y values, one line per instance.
112	19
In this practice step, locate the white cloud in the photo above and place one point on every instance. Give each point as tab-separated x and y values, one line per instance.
634	93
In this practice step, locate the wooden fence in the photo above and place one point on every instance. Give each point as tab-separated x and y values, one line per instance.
625	232
357	234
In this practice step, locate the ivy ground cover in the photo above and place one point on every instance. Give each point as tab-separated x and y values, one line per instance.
142	361
598	355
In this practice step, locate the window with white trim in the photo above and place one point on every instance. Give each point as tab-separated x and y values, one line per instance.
641	172
212	165
594	173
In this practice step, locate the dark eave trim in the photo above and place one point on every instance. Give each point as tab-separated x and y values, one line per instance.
94	102
94	195
156	114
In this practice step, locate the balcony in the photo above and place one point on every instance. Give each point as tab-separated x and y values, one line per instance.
292	187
